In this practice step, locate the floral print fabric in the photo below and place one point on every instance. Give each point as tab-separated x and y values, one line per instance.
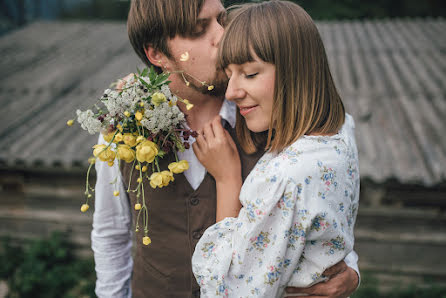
299	210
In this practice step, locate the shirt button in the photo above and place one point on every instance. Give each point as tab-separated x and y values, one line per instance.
194	201
196	235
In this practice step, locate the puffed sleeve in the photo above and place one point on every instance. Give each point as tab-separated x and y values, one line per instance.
288	232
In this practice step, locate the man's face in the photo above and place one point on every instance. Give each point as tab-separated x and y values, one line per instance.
202	47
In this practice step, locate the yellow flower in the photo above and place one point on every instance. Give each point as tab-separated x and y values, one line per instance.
137	167
139	180
111	163
92	160
146	151
156	179
146	240
141	104
119	127
118	138
138	115
108	137
158	98
211	87
138	206
167	177
140	139
130	140
126	153
127	113
104	153
179	167
70	122
188	104
144	169
172	103
116	193
184	57
84	207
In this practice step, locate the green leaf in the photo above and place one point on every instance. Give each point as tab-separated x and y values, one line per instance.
144	72
161	153
144	83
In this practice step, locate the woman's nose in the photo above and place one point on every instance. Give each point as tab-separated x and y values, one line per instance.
234	91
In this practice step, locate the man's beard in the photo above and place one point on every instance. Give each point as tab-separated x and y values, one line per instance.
219	81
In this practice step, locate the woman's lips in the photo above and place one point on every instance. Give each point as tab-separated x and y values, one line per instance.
245	110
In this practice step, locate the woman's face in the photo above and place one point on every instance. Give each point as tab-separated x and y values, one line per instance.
251	87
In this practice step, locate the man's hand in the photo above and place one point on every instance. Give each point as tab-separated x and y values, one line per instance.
121	82
342	283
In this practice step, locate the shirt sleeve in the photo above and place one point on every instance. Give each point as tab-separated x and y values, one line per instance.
287	233
111	236
352	261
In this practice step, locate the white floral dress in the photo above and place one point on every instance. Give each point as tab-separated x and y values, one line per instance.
299	210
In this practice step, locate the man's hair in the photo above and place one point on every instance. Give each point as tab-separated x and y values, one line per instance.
305	97
153	22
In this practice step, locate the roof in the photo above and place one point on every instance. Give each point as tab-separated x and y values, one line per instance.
390	74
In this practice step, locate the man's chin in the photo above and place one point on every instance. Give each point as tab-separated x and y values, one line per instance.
219	90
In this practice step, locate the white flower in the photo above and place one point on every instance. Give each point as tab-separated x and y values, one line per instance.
162	118
88	121
166	90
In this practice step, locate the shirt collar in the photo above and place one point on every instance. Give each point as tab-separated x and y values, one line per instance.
227	112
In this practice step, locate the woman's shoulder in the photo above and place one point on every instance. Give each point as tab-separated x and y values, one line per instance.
308	153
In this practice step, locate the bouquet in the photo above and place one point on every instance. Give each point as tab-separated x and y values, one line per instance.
140	123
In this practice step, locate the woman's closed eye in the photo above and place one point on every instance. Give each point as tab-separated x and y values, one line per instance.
252	75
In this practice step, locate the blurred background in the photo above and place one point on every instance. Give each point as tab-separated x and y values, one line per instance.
387	58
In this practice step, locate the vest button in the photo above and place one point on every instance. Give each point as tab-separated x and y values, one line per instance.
196	235
194	201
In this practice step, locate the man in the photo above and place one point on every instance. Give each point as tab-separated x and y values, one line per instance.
161	31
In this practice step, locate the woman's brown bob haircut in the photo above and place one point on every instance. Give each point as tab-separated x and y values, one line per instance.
153	22
305	97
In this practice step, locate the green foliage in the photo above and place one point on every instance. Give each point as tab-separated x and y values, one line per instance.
318	9
46	268
99	9
369	289
353	9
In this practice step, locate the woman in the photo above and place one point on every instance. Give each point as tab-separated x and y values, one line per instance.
294	215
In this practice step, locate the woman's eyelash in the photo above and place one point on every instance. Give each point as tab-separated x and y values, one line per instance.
250	76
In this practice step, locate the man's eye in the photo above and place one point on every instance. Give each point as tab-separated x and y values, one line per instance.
222	19
252	75
198	31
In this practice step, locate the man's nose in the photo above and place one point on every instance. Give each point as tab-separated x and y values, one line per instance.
218	34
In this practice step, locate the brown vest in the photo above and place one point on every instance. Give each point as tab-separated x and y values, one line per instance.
178	216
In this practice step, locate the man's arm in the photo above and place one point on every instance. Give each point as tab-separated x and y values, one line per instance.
344	280
111	237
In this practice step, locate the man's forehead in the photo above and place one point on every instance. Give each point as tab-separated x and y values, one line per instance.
210	9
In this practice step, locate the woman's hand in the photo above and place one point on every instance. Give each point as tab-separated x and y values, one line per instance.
216	150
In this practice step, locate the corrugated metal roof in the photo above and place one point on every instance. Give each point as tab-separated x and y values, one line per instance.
390	73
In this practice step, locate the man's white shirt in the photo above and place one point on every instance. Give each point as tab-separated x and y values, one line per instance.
112	221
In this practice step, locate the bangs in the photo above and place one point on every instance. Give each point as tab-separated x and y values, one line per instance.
235	46
248	32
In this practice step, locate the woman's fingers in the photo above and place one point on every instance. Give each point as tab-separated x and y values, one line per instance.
208	132
217	128
200	141
230	140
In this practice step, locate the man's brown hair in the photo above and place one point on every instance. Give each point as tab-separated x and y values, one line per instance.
153	22
305	97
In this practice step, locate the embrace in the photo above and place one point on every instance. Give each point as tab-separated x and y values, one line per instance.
268	205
